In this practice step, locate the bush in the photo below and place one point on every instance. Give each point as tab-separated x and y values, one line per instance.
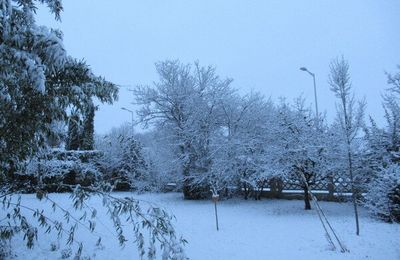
383	196
56	169
394	199
124	164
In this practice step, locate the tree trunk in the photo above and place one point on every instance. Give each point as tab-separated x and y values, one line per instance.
246	191
187	189
307	204
353	191
187	194
260	190
331	189
11	172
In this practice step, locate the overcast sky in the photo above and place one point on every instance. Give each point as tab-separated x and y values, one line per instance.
260	44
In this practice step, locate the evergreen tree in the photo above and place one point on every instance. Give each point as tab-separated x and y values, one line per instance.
133	167
73	141
87	140
383	145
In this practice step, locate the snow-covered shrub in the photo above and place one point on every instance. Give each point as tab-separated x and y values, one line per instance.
124	163
56	169
383	196
163	168
133	169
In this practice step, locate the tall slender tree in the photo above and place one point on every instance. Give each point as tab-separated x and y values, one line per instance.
88	128
350	118
74	132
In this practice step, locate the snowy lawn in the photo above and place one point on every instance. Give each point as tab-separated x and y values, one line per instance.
266	229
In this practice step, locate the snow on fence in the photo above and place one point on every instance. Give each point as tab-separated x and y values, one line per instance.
331	189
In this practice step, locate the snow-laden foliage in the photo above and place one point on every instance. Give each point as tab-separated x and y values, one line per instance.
162	161
383	154
39	85
39	82
5	249
80	135
50	169
186	101
218	140
149	225
132	165
124	163
56	162
383	196
301	147
79	172
239	146
216	136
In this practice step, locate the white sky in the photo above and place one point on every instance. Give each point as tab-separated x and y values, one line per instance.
260	44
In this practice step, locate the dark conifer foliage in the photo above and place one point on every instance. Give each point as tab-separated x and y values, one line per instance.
88	128
73	141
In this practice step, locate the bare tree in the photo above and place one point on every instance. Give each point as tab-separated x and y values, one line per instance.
350	118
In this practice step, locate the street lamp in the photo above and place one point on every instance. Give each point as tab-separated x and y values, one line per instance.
130	111
315	90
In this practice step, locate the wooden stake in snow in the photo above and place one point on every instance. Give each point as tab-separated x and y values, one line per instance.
215	198
324	219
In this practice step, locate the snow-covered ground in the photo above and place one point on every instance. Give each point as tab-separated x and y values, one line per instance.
266	229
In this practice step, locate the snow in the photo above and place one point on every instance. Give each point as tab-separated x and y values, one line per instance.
266	229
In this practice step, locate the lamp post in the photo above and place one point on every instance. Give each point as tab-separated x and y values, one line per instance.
315	91
130	111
